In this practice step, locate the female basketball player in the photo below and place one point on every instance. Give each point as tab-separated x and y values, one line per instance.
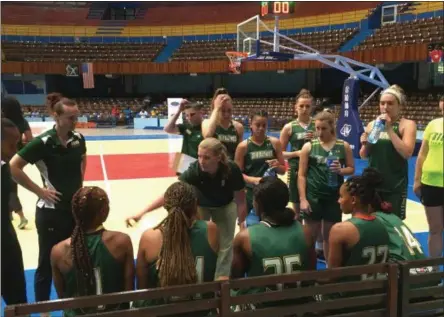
191	130
277	244
297	133
429	181
180	250
319	197
394	147
12	110
60	155
362	239
221	196
258	153
221	124
94	260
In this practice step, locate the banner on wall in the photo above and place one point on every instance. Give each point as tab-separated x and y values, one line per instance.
173	107
349	125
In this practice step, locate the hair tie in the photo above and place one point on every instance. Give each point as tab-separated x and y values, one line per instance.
393	92
386	206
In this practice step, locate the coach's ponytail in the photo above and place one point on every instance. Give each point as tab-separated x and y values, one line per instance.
55	102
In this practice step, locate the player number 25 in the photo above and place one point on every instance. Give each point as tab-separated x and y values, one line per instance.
285	265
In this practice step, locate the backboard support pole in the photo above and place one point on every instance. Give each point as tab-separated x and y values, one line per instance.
362	71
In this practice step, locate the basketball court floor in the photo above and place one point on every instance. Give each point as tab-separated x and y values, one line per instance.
134	167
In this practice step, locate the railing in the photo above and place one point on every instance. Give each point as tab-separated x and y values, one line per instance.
371	297
331	292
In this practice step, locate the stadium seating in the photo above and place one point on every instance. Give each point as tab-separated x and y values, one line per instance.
429	30
324	41
420	107
74	52
204	50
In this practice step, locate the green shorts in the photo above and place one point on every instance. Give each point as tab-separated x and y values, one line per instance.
398	202
292	182
323	208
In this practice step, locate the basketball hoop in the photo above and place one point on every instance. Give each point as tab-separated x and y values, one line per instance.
235	61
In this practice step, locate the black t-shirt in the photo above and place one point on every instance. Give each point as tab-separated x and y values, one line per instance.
6	192
214	191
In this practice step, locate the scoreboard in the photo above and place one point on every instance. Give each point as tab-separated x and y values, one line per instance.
280	8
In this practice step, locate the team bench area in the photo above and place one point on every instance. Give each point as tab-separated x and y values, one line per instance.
382	290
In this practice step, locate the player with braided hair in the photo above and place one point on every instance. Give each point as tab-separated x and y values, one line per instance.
94	260
219	186
362	239
181	250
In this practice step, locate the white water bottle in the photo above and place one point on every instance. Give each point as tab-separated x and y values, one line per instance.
375	133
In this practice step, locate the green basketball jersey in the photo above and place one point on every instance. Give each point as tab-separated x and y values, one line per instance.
255	164
297	140
384	157
205	258
229	138
373	244
318	171
108	274
403	245
277	249
192	136
372	248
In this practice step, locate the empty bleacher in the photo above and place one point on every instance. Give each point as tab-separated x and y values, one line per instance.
324	41
73	52
430	30
420	107
204	50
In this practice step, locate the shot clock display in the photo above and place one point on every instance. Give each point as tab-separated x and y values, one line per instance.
276	8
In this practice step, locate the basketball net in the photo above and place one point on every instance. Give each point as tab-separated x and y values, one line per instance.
235	61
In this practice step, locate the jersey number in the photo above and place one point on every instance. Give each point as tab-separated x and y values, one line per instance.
99	287
285	265
409	240
200	273
373	253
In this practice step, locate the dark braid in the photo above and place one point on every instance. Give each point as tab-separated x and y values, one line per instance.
272	196
176	264
87	201
365	187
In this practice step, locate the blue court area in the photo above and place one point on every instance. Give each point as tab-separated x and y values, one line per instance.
360	165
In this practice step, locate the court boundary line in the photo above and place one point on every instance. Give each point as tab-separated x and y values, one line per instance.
105	173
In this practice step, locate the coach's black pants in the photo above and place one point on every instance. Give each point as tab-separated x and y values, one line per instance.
53	226
13	273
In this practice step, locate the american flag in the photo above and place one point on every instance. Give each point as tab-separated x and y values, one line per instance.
88	75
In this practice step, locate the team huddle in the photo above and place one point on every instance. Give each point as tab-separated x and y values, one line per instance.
232	182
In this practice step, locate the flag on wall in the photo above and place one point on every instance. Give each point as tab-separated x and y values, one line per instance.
88	75
435	53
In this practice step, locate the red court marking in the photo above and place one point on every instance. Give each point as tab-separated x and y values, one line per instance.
134	166
93	169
